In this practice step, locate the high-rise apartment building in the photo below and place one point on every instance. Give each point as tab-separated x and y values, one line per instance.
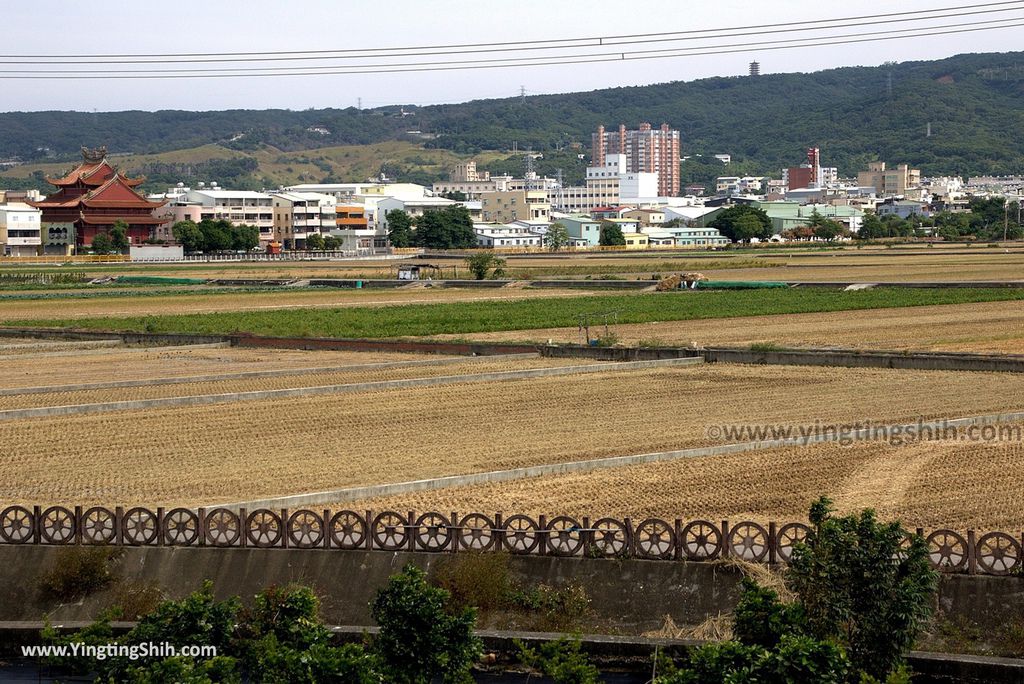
646	150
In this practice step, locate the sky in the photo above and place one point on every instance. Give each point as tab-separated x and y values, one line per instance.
123	27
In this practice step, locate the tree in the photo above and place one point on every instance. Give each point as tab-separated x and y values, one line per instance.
829	229
857	582
332	243
742	223
557	237
421	635
871	228
245	238
448	228
862	597
315	241
480	264
102	244
119	237
611	235
400	232
217	235
189	236
456	195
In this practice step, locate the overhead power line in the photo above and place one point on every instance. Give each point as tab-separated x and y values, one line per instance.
530	61
508	62
923	14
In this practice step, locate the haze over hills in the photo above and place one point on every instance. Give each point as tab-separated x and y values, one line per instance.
974	104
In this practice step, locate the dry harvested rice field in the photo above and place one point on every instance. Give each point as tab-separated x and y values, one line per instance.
246	450
980	327
157	362
351	375
927	484
258	301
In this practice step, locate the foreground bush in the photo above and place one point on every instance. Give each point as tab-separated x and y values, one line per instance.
281	638
864	591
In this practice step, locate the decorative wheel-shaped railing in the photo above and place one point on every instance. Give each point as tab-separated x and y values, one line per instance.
99	526
389	531
993	553
701	540
947	550
16	525
520	534
998	553
181	527
57	525
608	537
748	541
139	526
305	529
476	532
788	536
433	532
564	536
223	527
264	528
654	539
348	530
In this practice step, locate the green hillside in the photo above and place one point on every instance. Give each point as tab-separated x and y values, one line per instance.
974	103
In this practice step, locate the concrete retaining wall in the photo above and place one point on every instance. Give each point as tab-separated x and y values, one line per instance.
1006	363
631	596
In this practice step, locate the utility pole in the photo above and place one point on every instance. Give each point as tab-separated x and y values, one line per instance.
359	103
1006	216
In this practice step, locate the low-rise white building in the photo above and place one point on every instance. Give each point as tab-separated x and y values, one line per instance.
20	227
506	235
214	203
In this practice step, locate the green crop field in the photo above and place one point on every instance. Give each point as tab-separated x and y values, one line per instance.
526	314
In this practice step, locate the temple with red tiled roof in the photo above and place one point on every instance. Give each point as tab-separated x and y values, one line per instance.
94	196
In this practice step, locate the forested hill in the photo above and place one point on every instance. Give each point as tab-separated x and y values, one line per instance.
974	103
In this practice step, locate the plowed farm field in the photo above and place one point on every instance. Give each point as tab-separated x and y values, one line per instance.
996	327
963	485
269	300
246	450
157	362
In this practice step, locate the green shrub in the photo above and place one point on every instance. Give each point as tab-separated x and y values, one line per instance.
561	660
421	635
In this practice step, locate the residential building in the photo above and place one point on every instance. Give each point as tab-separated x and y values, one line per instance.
93	197
582	230
787	215
507	236
212	202
889	182
298	215
515	205
607	185
636	240
902	208
20	229
646	217
693	236
646	150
